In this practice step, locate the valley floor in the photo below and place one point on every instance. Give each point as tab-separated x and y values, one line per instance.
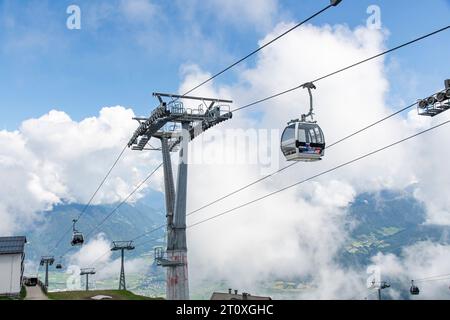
87	295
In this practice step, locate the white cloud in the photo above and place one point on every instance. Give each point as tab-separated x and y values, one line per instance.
138	10
96	251
111	269
424	262
258	13
54	159
298	233
97	254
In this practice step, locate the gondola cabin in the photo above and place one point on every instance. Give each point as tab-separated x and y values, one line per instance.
414	290
77	239
303	141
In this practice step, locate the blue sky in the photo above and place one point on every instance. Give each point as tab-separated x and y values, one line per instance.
120	58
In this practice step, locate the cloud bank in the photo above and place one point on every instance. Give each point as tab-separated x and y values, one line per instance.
97	254
294	235
55	159
297	234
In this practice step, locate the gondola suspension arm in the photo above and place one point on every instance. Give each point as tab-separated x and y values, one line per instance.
310	86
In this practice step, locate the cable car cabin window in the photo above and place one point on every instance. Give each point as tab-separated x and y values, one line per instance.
289	133
312	136
301	135
318	135
288	141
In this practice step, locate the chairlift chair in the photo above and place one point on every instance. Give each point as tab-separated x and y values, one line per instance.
414	290
77	237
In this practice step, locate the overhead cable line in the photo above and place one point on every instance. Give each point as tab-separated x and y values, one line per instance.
326	76
343	69
139	186
149	232
306	180
432	278
333	4
295	163
319	174
102	183
93	196
283	169
323	77
95	262
125	200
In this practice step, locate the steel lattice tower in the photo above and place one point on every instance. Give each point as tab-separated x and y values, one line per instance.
86	272
122	246
47	261
185	125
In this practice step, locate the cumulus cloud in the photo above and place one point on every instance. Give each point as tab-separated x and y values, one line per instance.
258	13
427	263
254	12
95	251
294	235
97	254
54	159
138	10
298	234
111	269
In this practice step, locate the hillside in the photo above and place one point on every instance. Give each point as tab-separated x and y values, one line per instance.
126	223
377	222
386	222
87	295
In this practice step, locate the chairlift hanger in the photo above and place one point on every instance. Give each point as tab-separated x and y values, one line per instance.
77	236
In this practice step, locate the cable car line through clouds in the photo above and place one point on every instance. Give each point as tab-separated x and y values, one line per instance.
92	197
94	263
285	92
284	168
281	170
321	174
332	74
259	180
333	3
118	206
343	69
309	148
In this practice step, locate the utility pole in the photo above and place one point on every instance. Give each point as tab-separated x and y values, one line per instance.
47	261
122	246
175	126
86	272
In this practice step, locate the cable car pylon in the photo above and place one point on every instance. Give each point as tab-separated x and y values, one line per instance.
122	246
175	126
47	261
87	272
436	104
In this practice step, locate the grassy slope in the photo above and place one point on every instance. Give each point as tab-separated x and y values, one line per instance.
23	293
87	295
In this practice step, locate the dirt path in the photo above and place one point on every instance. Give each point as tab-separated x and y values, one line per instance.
35	293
